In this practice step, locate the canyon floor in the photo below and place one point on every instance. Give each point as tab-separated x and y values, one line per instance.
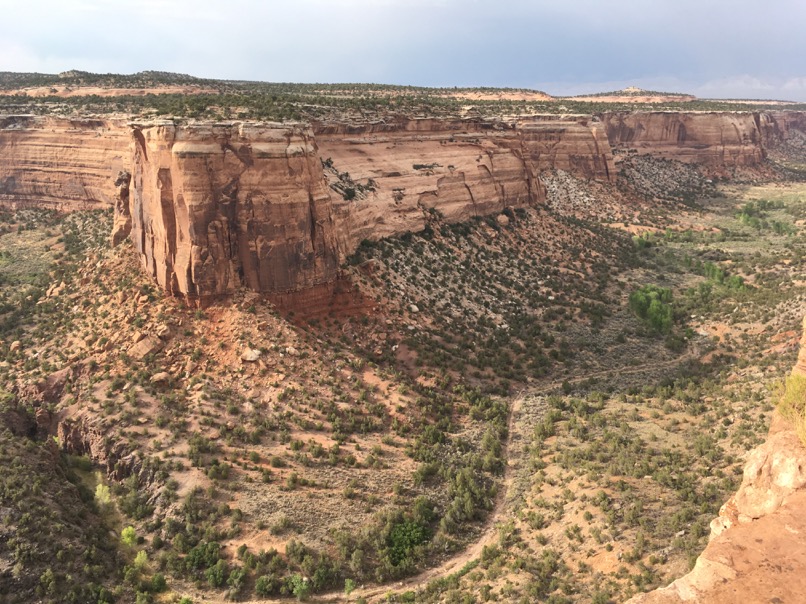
487	413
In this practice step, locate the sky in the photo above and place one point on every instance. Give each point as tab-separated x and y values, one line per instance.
710	48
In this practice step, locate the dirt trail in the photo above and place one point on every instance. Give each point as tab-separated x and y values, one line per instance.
520	424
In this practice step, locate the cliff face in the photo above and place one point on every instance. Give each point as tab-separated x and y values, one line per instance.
784	129
214	206
211	206
757	550
461	168
62	163
717	141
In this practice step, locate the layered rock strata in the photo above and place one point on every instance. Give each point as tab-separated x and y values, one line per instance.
460	168
61	163
718	141
777	127
211	206
214	206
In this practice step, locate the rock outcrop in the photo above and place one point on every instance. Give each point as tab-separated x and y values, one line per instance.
61	163
777	127
84	435
460	168
277	207
214	206
211	207
719	141
757	550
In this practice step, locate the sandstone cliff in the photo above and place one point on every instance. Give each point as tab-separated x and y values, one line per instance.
757	550
718	141
461	168
213	206
784	135
62	163
209	207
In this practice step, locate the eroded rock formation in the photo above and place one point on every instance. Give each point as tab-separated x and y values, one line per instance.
460	168
757	550
213	206
718	141
62	163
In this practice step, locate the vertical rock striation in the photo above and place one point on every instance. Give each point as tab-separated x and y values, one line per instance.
719	141
213	206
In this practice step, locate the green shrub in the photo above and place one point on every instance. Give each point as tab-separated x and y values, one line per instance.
793	400
793	403
217	574
299	586
403	538
268	585
653	304
128	536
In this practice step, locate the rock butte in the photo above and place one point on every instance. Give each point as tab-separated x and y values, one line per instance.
211	207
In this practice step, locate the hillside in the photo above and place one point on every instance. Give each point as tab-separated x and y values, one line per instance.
509	358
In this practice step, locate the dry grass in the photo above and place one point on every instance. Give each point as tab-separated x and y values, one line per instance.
793	403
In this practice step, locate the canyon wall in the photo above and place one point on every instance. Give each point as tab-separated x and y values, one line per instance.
781	129
460	168
62	163
719	141
277	207
214	206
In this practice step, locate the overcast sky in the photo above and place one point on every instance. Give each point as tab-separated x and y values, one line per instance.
711	48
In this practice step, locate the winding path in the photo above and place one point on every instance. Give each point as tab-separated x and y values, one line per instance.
520	425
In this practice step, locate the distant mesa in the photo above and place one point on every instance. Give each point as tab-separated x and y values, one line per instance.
633	94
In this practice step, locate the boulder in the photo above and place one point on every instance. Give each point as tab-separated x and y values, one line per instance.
250	355
148	345
163	377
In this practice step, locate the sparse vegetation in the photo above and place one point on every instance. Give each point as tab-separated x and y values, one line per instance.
500	379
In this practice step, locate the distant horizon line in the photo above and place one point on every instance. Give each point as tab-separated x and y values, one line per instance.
631	90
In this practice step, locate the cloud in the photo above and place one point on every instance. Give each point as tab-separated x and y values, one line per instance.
754	87
797	85
696	44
